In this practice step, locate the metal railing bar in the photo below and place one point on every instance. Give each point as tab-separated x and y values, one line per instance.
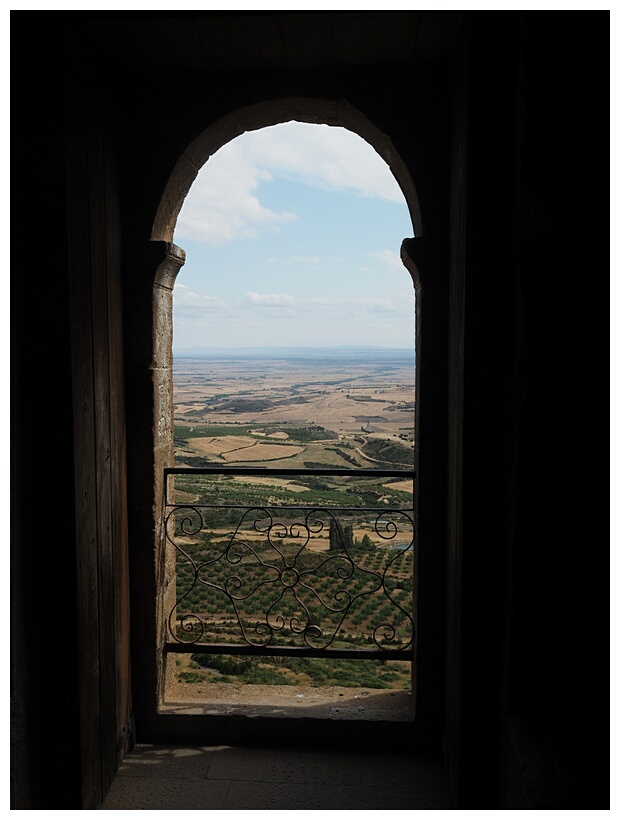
222	468
290	651
297	507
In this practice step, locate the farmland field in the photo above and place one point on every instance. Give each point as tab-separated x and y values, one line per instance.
300	410
306	412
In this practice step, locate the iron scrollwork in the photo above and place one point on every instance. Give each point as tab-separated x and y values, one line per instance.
293	577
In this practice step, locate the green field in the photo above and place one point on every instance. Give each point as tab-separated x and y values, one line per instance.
273	583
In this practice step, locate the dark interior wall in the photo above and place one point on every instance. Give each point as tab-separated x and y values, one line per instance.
490	399
534	548
44	657
95	256
70	652
557	664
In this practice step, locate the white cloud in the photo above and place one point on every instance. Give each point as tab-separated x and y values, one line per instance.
325	156
189	301
385	306
270	299
284	319
342	305
223	204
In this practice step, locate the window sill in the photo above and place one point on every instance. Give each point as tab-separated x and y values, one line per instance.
324	703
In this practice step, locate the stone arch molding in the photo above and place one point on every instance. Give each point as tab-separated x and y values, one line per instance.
262	115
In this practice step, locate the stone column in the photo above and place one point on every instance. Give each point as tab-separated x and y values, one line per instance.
150	275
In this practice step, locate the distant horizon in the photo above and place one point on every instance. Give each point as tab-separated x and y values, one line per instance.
298	347
189	352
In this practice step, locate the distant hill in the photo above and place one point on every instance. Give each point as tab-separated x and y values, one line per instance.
349	353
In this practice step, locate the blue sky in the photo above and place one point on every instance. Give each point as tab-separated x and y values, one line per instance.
292	235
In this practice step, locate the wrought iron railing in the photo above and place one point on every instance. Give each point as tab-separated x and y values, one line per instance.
296	579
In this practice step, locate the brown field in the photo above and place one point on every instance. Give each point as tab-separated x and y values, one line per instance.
317	543
220	446
265	452
316	453
270	482
340	396
360	401
405	486
243	448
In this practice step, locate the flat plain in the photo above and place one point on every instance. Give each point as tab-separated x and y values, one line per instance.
248	410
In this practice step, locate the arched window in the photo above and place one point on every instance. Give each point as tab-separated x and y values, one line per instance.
197	511
293	356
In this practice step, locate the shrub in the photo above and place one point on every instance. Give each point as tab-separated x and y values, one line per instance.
264	676
190	677
222	663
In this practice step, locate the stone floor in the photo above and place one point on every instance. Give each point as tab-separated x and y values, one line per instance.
226	777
